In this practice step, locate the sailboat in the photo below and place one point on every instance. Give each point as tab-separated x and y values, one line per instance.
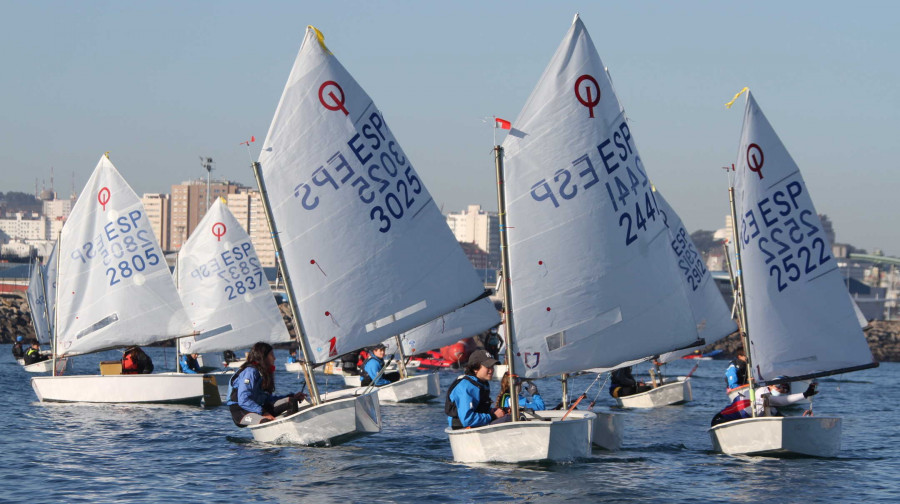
37	298
224	290
711	316
586	259
364	251
466	321
114	290
797	320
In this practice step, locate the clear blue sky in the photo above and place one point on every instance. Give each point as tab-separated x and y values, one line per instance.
160	83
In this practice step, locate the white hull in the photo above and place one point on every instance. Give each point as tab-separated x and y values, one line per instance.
607	429
676	392
137	388
419	388
530	441
234	364
21	362
339	419
799	435
293	367
46	366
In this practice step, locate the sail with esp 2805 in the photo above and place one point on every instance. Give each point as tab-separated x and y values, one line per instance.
115	288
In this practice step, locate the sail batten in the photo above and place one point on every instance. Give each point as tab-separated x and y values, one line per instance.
368	251
800	322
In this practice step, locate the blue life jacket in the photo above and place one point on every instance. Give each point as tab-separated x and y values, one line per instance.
480	415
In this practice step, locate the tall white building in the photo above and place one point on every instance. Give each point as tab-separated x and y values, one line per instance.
57	211
23	226
248	210
159	209
474	225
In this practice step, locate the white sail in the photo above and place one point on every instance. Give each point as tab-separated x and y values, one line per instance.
711	316
37	301
50	266
472	319
800	322
593	283
369	253
223	287
114	286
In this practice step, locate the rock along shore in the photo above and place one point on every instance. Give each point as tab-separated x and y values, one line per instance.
883	335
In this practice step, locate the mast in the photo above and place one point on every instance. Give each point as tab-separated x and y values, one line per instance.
401	367
177	283
56	300
288	286
565	390
507	292
745	331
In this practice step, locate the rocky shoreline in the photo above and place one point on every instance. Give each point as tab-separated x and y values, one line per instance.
883	335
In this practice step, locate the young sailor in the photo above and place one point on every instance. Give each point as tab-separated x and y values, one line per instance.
373	365
33	354
251	399
468	402
535	402
736	372
17	350
768	398
622	383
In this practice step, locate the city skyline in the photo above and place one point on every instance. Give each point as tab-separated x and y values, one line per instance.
162	84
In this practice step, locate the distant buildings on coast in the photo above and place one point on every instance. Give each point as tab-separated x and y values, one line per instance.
29	227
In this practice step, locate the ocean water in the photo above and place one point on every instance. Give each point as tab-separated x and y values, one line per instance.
87	453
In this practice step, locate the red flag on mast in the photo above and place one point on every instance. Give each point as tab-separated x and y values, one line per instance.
502	123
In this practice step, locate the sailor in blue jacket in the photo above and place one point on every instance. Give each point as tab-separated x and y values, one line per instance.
736	372
189	364
468	402
535	403
251	398
373	366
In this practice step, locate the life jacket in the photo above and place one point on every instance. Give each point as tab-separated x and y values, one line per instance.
129	364
741	370
738	409
366	379
484	400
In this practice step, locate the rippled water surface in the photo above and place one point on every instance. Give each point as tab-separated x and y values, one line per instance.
86	453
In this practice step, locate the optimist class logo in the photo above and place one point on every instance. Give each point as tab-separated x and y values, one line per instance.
218	230
755	163
103	197
590	101
337	102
